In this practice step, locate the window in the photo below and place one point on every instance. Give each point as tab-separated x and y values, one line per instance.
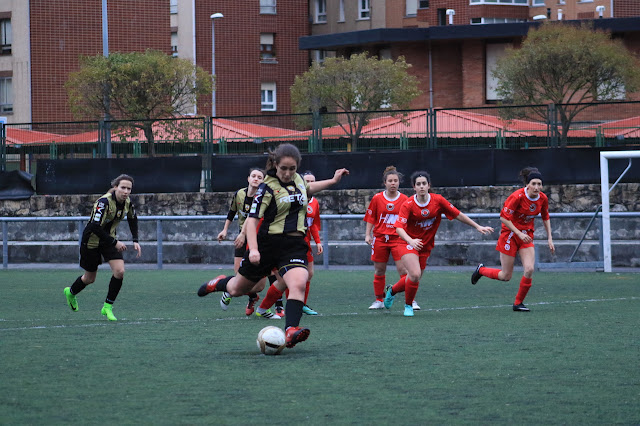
423	4
318	56
267	51
341	11
321	11
364	9
442	16
174	44
173	7
537	2
515	2
411	7
480	21
5	36
493	51
268	94
6	95
268	7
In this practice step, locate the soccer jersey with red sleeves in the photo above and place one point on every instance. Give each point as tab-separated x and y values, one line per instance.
383	213
313	221
422	220
521	210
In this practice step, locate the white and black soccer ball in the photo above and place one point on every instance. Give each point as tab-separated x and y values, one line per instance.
271	340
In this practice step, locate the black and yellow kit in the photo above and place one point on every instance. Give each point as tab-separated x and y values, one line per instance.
240	204
105	217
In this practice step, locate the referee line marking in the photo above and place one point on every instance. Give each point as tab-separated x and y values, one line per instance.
141	321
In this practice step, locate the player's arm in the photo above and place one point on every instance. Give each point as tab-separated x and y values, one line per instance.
547	227
416	243
95	223
524	237
468	221
368	237
132	220
319	185
252	239
230	216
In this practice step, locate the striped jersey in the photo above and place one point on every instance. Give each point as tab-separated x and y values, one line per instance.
282	206
105	217
240	205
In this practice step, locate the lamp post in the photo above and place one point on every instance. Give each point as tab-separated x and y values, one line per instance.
107	99
213	60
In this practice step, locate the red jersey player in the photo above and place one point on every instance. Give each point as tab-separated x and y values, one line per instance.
381	217
417	223
516	236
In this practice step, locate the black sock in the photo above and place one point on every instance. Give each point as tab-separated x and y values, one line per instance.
77	286
253	296
114	288
294	313
222	284
279	303
272	279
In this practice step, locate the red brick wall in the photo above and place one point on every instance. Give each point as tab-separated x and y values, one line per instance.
625	9
239	72
63	30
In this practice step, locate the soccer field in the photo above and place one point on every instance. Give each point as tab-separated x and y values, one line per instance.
466	357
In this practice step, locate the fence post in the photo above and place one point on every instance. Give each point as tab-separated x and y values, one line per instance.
5	245
159	243
599	137
53	151
3	148
552	125
208	153
325	240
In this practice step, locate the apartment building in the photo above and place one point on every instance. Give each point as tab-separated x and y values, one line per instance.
453	45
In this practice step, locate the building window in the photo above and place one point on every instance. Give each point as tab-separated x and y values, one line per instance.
364	9
514	2
267	51
537	2
423	4
482	21
493	52
6	95
341	11
174	44
5	36
173	7
321	12
268	7
319	56
268	95
411	7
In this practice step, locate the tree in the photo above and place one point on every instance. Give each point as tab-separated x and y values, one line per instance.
142	87
567	65
356	86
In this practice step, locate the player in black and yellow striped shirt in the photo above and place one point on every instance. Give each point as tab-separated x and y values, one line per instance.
99	242
281	201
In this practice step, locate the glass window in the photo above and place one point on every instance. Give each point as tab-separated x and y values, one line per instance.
321	11
423	4
5	36
493	52
364	9
6	95
267	51
174	44
268	7
173	7
341	11
268	95
411	7
537	2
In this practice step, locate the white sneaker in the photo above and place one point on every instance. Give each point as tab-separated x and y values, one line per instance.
415	306
225	299
378	304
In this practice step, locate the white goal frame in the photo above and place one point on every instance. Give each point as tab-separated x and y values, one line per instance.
605	156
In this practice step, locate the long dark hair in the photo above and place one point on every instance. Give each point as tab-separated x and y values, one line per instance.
281	151
420	173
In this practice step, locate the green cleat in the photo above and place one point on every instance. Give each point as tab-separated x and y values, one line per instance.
71	299
388	297
107	310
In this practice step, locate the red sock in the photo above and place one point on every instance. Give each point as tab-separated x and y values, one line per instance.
273	294
399	286
525	285
412	289
378	286
286	292
306	292
489	272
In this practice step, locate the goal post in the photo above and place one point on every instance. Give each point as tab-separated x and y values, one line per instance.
605	156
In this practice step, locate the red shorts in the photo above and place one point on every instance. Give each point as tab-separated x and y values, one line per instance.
383	245
510	244
405	248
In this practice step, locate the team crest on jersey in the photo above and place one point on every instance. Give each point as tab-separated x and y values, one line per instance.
390	206
424	212
291	188
309	209
532	207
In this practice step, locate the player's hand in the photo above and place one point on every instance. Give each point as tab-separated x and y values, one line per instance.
319	248
222	236
120	246
485	230
525	237
339	173
138	249
254	256
551	246
367	239
239	242
416	243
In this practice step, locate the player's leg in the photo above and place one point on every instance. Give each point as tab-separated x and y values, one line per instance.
254	296
89	261
274	293
379	256
295	279
306	309
411	283
411	262
528	258
508	246
115	284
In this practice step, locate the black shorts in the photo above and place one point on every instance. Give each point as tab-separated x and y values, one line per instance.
239	252
90	259
282	252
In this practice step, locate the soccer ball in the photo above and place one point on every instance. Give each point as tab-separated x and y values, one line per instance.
271	340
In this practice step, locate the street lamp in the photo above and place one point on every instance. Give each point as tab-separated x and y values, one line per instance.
213	60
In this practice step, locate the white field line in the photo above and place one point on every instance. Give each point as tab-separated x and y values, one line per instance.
144	321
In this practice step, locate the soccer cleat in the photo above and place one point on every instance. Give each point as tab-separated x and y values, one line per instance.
267	314
388	297
280	311
295	335
251	305
307	310
415	306
225	299
408	311
209	286
71	299
476	274
107	310
377	304
520	308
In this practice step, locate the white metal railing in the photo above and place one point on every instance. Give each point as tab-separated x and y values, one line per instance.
325	229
